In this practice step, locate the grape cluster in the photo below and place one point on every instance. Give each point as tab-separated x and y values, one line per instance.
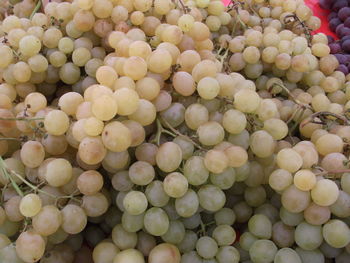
339	23
168	131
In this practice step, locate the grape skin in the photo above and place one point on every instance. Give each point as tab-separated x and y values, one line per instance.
123	121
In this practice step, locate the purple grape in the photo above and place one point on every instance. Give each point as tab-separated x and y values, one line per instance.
339	5
338	29
344	13
347	58
334	24
347	22
348	67
343	69
345	31
325	4
344	38
346	46
330	39
341	58
335	48
332	15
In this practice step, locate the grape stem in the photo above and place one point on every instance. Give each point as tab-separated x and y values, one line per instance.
322	115
337	173
9	139
37	7
183	7
7	172
9	177
21	119
160	131
182	135
290	95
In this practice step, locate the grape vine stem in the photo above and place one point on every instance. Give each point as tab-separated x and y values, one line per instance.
7	172
182	135
21	119
37	7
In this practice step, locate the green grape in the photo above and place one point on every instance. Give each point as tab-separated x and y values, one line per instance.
104	252
206	247
210	133
69	73
164	252
325	192
336	233
224	180
211	198
262	251
145	243
129	255
188	243
141	173
30	205
156	221
38	63
30	246
132	223
9	254
6	56
290	218
122	238
295	200
260	226
308	237
246	240
224	235
187	205
282	234
195	170
175	233
191	257
66	45
156	195
175	185
169	156
341	208
310	255
286	255
135	202
225	216
227	254
4	241
29	45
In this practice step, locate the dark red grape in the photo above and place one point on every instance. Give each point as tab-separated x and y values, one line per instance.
344	13
342	59
345	31
334	24
347	22
338	29
344	38
339	5
335	48
346	46
347	58
330	39
343	69
332	15
325	4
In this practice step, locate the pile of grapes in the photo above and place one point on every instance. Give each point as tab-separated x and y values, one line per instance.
171	131
339	23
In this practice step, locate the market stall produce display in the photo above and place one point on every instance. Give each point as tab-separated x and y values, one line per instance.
172	131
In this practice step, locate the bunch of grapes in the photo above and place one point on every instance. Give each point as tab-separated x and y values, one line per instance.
168	131
339	23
